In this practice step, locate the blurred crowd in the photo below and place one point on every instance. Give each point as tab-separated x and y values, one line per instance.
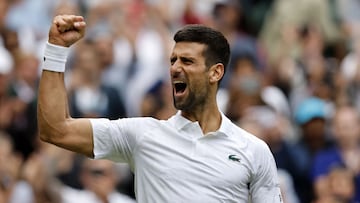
292	81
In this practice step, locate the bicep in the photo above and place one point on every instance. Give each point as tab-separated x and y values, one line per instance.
114	139
77	136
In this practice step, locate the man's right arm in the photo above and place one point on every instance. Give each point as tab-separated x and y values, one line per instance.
55	124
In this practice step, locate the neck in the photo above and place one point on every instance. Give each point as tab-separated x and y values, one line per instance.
209	118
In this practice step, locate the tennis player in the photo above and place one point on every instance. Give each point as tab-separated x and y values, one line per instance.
198	155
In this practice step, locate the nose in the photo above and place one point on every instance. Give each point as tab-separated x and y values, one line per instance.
175	69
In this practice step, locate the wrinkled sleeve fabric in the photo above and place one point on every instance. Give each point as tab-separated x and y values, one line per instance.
115	139
264	186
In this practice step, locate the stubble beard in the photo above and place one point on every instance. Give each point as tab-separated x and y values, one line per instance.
191	102
184	104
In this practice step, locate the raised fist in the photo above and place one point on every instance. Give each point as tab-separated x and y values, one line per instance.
66	30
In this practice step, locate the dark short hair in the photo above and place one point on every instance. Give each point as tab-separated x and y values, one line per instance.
217	50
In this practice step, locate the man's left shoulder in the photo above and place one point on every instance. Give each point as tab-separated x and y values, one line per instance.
242	135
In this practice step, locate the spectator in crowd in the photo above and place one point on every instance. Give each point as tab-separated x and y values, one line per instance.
31	31
255	13
311	115
149	45
280	31
99	179
23	89
316	72
13	188
350	73
157	101
114	70
88	96
345	153
228	17
244	89
38	172
337	186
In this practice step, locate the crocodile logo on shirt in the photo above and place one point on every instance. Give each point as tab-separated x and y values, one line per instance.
233	157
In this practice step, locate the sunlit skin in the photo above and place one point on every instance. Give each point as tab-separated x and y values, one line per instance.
198	100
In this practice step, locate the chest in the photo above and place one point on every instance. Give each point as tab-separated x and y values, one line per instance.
182	158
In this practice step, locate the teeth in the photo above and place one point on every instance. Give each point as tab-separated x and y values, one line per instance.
178	82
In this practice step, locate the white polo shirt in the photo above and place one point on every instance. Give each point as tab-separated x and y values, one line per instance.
174	162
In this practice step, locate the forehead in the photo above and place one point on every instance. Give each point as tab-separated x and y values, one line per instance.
193	49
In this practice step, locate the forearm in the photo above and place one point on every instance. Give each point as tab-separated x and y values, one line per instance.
52	106
55	124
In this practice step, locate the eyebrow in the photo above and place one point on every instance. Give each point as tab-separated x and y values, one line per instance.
187	58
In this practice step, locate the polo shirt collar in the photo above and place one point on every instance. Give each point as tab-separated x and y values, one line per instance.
226	125
181	122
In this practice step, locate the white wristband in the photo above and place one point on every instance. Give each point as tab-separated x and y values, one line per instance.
55	57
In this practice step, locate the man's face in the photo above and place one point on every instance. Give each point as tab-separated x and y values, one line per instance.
189	75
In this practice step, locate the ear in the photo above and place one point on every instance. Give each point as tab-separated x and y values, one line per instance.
216	72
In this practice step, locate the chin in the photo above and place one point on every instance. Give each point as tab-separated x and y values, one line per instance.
179	105
184	103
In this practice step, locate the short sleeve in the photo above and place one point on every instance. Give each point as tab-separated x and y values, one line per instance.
113	139
264	186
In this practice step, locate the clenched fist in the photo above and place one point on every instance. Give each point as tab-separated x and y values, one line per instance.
66	30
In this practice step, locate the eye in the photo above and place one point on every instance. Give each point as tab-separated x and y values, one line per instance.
186	61
172	60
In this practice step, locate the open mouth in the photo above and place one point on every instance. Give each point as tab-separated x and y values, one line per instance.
179	87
